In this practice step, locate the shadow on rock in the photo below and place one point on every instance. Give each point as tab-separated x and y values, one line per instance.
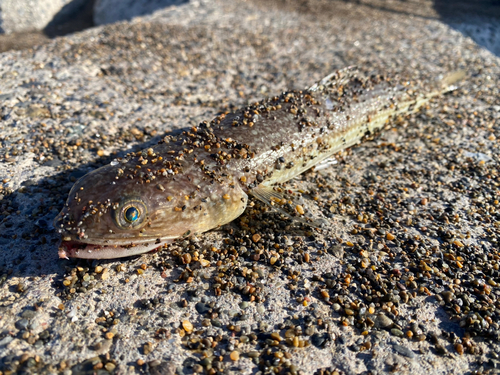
110	11
71	18
479	20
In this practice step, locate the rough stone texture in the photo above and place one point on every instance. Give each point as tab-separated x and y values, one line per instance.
27	15
431	181
110	11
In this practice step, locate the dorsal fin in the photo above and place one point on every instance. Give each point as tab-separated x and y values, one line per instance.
339	77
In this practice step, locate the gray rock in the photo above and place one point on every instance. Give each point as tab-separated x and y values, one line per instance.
23	15
109	11
22	324
6	340
382	321
397	332
403	351
202	308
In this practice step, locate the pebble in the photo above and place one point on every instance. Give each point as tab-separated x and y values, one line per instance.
319	340
6	340
22	324
397	332
105	274
187	325
383	322
141	289
202	308
147	348
235	355
110	366
403	351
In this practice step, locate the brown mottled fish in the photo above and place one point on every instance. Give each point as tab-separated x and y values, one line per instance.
201	179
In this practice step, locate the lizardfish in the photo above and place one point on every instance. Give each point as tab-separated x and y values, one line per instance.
201	180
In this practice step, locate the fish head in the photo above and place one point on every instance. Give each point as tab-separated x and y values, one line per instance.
116	211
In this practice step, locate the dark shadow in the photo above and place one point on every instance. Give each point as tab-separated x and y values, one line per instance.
126	10
71	19
479	20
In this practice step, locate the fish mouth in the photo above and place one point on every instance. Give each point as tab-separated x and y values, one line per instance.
84	250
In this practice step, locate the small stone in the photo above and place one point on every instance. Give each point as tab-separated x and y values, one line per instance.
235	355
256	237
397	332
28	314
22	324
188	326
253	354
141	289
202	308
110	366
319	340
276	336
382	321
105	274
147	348
404	351
187	258
6	340
197	369
447	296
103	346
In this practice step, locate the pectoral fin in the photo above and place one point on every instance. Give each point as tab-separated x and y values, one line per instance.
284	201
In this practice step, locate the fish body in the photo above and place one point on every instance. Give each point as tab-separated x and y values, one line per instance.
202	179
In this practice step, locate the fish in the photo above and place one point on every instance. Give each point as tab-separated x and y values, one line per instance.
202	179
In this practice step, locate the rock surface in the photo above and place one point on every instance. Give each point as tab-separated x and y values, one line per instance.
27	15
413	240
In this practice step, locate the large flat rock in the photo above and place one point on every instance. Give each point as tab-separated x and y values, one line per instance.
405	277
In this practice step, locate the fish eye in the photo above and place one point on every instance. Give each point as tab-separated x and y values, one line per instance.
130	213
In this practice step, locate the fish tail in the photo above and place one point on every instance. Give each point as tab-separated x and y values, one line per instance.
441	85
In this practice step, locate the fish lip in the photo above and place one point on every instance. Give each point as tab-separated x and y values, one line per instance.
79	249
116	242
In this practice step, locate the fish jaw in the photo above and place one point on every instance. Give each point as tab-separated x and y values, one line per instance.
77	249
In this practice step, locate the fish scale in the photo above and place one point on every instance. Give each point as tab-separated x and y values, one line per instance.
201	179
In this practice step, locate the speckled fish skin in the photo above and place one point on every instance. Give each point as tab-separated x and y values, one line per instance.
202	179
